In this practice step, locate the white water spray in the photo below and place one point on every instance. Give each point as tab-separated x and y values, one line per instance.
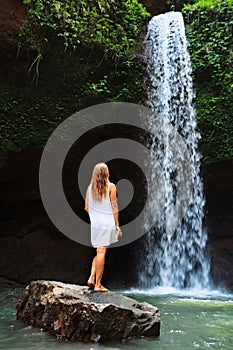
174	257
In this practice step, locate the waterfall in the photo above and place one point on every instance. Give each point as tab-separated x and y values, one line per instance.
174	257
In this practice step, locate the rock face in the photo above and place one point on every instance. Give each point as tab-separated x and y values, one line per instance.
222	262
156	7
219	194
31	248
75	313
12	15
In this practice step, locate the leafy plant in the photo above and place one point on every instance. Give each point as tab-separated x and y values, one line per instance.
114	25
210	44
77	53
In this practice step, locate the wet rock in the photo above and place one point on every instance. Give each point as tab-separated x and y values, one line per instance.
76	313
219	218
6	283
219	193
222	262
156	7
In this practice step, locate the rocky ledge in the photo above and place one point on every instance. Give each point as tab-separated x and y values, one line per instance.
74	312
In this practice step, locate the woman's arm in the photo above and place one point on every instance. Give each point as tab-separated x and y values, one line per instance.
113	199
86	202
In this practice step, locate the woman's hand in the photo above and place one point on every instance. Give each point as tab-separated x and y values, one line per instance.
119	231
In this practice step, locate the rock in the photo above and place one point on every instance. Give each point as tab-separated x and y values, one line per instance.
219	219
222	262
32	248
156	7
6	283
12	16
219	193
76	313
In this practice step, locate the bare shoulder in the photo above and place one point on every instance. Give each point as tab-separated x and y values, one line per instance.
112	188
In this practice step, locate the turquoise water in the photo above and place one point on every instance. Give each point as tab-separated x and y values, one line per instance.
187	322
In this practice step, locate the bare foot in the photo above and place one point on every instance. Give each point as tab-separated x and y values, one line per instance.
100	288
91	283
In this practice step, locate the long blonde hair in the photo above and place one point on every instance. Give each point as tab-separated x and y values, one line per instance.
99	181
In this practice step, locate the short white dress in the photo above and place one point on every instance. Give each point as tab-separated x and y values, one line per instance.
103	227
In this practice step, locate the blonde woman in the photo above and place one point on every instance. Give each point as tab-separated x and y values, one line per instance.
101	205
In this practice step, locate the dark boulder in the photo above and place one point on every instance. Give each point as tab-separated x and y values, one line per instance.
76	313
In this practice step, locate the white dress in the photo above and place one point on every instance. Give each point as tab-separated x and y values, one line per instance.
103	227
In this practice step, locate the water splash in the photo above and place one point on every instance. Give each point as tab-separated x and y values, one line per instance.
174	257
192	293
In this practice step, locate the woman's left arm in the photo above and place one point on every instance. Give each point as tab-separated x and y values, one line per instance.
86	202
113	199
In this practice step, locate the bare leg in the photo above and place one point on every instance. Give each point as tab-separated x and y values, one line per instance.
92	276
99	266
91	279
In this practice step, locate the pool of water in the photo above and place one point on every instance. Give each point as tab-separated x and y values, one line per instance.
189	320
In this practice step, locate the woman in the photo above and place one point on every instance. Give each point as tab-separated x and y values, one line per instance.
101	205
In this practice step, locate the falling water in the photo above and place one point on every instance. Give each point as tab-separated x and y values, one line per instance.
174	257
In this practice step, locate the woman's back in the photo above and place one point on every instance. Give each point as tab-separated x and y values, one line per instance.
100	211
102	205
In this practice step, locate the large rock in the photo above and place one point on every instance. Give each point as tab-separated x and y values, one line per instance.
75	313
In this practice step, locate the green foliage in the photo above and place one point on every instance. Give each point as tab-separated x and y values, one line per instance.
76	54
112	24
215	121
206	4
68	83
210	36
81	53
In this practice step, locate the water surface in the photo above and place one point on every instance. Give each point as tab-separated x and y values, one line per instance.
187	322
